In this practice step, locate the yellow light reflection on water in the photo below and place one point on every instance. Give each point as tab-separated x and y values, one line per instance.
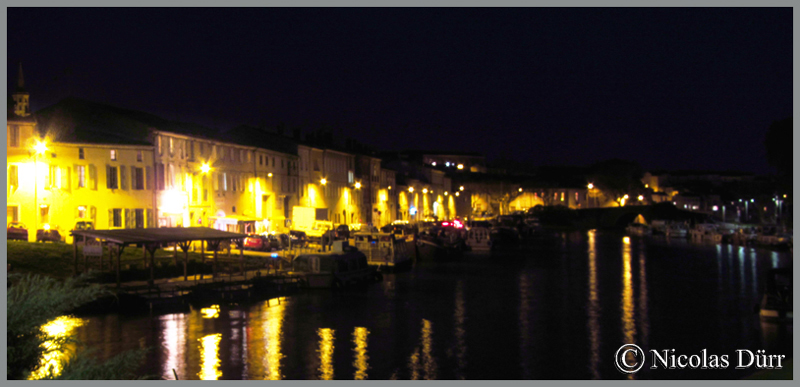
325	353
52	360
361	362
273	325
212	312
209	357
428	361
628	323
594	310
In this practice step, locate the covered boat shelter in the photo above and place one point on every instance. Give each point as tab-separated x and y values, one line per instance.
150	239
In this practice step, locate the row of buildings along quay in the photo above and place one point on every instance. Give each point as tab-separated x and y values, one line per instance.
81	161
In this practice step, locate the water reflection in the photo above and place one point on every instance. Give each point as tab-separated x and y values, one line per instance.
628	323
174	342
361	361
52	359
593	323
273	321
524	326
325	353
428	361
209	357
460	331
644	318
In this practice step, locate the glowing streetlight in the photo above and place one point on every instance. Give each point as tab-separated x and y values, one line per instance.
323	181
205	168
460	166
445	193
390	187
520	189
458	193
410	189
424	190
40	147
625	197
590	186
358	185
270	175
640	198
461	188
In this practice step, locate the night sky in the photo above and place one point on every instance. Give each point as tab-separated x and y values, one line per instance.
671	88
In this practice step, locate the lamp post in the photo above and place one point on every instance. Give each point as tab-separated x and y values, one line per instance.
38	149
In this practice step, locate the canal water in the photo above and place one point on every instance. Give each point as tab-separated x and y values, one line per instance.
559	308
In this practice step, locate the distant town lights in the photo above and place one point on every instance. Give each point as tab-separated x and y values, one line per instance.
410	189
590	186
424	190
460	166
640	198
715	208
447	164
461	188
458	193
520	189
433	163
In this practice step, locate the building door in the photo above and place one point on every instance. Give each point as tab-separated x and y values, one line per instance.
264	206
12	214
139	217
44	214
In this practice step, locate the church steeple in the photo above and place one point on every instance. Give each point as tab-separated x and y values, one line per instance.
21	97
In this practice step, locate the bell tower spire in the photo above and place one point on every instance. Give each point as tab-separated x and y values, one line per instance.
21	97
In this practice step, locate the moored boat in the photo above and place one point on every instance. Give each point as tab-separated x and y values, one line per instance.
383	250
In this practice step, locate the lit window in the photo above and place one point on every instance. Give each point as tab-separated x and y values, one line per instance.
113	155
80	170
13	138
139	156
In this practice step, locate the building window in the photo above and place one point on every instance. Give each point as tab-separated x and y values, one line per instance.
113	155
80	154
81	213
350	177
160	150
171	147
13	177
115	217
13	137
12	213
80	171
139	156
111	178
273	161
137	177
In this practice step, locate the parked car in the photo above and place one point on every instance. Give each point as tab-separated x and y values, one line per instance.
342	232
299	238
48	235
262	242
17	231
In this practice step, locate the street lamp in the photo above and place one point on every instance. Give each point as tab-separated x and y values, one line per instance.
205	168
39	149
323	181
358	185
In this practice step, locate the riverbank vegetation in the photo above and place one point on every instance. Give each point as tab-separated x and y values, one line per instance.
40	341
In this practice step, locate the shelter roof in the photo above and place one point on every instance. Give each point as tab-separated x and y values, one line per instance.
159	235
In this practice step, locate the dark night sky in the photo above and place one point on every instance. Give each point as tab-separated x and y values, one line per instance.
668	87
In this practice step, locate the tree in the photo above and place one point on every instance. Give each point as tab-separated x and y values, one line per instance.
616	178
35	300
778	143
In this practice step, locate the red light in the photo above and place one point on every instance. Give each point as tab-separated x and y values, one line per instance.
445	224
